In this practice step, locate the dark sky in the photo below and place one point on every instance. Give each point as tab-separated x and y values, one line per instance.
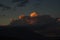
51	7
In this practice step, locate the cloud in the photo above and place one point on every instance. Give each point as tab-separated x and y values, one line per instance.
15	1
1	5
4	7
41	20
20	3
7	7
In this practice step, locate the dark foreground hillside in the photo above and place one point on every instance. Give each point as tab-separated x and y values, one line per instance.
36	32
19	33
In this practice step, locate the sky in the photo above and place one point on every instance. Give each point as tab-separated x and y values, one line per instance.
43	7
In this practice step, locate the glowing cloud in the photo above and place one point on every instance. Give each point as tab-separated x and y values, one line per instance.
33	14
21	17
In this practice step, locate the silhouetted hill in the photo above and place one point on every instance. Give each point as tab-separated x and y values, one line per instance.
19	33
34	32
